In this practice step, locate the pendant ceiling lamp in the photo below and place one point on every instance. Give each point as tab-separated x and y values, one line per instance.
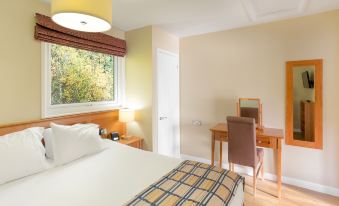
83	15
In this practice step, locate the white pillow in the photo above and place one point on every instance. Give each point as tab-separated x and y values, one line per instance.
73	142
21	154
48	138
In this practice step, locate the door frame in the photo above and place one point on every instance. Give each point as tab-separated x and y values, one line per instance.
155	115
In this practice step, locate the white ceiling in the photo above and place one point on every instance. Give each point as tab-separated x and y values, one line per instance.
191	17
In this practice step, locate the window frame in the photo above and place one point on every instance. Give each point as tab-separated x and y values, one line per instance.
49	110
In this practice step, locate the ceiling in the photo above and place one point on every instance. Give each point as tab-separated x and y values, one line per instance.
192	17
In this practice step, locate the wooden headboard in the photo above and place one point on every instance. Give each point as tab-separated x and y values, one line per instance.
106	119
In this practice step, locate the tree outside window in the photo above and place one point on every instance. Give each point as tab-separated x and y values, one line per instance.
80	76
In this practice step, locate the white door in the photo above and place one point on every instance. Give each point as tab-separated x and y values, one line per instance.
167	138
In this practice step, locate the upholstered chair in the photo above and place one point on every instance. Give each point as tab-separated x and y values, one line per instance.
242	148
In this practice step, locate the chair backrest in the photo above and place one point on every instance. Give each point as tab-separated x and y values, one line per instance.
242	141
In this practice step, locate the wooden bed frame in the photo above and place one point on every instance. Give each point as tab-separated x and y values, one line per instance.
107	119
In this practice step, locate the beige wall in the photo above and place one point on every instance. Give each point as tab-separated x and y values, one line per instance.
139	82
218	68
142	45
20	60
164	40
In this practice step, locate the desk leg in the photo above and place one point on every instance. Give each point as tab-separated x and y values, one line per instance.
279	174
220	161
212	152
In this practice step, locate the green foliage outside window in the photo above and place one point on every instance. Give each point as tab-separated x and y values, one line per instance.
80	76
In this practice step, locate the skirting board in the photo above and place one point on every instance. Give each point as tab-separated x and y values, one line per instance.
268	176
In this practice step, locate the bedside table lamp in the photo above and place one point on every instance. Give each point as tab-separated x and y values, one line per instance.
125	116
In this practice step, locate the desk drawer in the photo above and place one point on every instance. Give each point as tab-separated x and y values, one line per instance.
266	142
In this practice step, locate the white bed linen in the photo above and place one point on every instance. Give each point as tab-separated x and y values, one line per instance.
111	177
21	154
72	142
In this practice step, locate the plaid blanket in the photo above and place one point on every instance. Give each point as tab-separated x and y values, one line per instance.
191	183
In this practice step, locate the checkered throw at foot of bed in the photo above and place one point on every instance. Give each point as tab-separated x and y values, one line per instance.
191	183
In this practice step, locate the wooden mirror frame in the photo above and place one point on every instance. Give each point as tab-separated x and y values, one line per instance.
318	87
260	125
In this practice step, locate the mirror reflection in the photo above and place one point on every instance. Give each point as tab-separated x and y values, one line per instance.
303	103
250	108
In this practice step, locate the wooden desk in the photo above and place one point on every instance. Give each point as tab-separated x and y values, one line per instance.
266	137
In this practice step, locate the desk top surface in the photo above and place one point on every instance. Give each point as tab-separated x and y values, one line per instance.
272	132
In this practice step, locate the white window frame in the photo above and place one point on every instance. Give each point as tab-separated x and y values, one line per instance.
49	110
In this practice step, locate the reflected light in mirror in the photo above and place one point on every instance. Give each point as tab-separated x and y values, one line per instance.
303	103
250	107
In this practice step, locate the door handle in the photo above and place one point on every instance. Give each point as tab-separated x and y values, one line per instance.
162	118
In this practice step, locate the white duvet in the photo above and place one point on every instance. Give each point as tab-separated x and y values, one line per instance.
109	178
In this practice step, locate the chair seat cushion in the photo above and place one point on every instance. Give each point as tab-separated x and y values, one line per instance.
260	155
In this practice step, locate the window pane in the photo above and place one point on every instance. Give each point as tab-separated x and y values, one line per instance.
80	76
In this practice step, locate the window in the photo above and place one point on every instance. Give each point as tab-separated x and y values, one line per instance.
77	81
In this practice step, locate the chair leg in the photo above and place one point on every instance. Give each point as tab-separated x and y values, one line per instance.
230	166
233	167
254	180
262	170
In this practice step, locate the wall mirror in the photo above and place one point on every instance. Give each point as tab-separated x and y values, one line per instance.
250	107
304	103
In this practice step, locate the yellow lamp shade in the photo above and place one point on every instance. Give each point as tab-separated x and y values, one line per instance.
83	15
126	115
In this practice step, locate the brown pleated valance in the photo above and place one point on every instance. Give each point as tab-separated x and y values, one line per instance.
48	31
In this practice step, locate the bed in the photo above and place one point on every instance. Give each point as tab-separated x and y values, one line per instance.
119	175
